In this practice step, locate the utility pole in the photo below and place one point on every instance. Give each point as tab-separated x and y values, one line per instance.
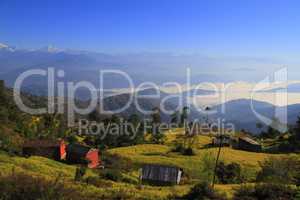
217	160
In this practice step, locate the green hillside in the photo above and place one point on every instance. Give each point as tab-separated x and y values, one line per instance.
120	178
49	169
162	154
138	155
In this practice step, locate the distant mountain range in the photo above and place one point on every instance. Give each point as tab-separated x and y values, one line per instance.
238	112
85	66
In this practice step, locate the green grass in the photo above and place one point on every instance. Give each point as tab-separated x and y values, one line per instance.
139	154
50	169
35	166
161	154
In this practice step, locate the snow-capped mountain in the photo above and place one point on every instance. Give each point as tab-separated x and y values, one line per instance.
3	46
50	49
6	47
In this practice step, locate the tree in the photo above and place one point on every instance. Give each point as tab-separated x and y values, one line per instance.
296	131
207	166
94	116
259	125
52	126
265	191
184	116
203	191
156	120
229	174
272	130
157	136
294	139
3	96
207	109
138	127
174	117
280	170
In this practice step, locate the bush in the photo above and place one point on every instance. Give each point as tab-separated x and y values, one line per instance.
10	141
207	166
25	187
80	172
265	191
183	150
229	174
298	193
203	191
178	148
158	138
111	174
188	152
284	170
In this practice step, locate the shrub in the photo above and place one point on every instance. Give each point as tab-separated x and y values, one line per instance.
188	152
280	170
158	138
229	174
183	150
203	191
207	166
111	174
265	191
10	141
178	148
72	139
25	187
298	193
80	172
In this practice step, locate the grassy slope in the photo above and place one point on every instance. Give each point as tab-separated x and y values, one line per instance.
161	154
146	153
39	166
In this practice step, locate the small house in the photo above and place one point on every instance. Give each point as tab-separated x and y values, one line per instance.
161	174
247	144
80	154
46	148
223	140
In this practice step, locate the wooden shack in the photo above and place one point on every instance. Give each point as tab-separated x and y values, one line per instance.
247	144
46	148
161	174
80	154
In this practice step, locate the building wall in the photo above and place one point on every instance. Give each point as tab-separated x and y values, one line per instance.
49	152
160	175
248	146
62	150
93	158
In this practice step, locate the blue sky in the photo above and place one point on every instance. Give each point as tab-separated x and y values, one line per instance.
264	31
248	27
